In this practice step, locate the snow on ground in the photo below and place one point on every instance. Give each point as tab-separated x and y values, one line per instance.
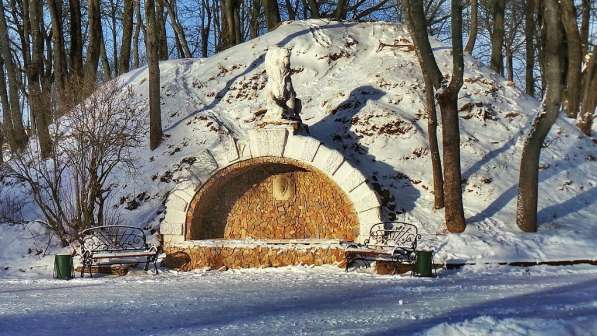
368	104
307	301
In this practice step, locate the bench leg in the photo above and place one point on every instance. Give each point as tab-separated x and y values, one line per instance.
90	273
155	265
147	264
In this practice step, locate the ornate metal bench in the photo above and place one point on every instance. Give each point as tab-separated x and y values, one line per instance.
388	241
116	244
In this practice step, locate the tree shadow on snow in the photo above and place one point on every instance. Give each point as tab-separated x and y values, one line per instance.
334	131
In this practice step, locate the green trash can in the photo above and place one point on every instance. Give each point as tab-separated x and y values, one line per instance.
63	266
424	263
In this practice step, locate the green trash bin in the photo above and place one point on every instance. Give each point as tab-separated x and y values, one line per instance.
63	266
424	263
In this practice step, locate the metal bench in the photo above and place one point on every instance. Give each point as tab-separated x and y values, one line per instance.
116	244
388	241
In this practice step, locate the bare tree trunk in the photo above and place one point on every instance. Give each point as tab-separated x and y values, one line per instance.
255	13
205	27
178	30
432	77
472	35
341	9
290	9
161	30
526	215
155	114
113	11
39	109
76	40
314	9
230	23
104	59
272	14
17	137
58	41
127	34
94	44
589	101
138	24
497	36
7	128
573	77
529	34
584	25
448	99
509	64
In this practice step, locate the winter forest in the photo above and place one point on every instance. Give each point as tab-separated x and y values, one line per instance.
227	142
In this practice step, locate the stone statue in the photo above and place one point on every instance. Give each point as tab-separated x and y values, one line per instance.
283	107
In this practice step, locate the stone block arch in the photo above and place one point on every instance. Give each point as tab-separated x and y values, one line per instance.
276	145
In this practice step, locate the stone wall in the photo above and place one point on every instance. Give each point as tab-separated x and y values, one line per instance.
195	257
271	198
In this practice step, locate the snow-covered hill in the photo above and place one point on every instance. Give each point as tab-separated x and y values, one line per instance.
367	102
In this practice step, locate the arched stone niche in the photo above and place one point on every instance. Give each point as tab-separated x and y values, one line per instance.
271	198
276	159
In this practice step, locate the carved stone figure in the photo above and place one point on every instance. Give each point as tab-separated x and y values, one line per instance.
282	105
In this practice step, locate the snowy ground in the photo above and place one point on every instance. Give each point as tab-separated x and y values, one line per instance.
303	300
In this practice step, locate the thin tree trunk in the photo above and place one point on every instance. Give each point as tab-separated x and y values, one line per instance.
341	9
205	27
39	110
7	127
432	78
113	10
155	114
290	9
105	62
584	25
230	24
178	30
472	35
161	30
497	36
255	13
509	64
314	9
58	47
127	34
526	215
76	40
589	102
272	14
94	44
573	73
448	100
529	35
138	25
17	136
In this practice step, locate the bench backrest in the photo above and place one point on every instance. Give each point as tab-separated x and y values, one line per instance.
112	238
394	234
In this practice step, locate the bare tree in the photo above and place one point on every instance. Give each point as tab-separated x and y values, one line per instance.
272	14
574	57
178	30
447	97
160	20
472	35
138	28
76	39
497	36
95	39
526	215
589	96
155	113
11	106
127	35
71	187
529	35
